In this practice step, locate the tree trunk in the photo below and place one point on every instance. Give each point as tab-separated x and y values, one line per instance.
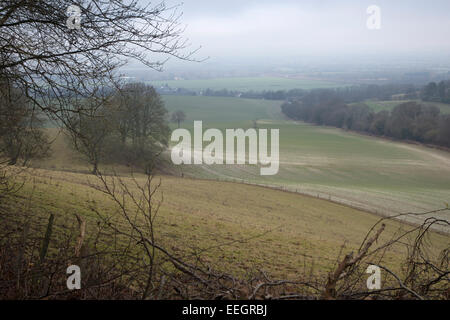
13	159
95	169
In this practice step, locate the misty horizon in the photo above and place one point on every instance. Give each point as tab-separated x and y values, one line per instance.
262	34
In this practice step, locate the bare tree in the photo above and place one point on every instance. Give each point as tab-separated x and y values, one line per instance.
178	117
89	133
140	117
21	134
128	127
57	65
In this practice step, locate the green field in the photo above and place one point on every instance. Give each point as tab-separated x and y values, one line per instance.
365	172
378	106
247	84
220	109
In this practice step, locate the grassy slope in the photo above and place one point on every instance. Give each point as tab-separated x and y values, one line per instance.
247	84
292	232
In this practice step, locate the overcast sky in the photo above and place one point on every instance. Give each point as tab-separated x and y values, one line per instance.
262	28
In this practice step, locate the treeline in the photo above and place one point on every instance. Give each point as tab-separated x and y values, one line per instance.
407	121
432	92
437	92
266	94
348	93
360	93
